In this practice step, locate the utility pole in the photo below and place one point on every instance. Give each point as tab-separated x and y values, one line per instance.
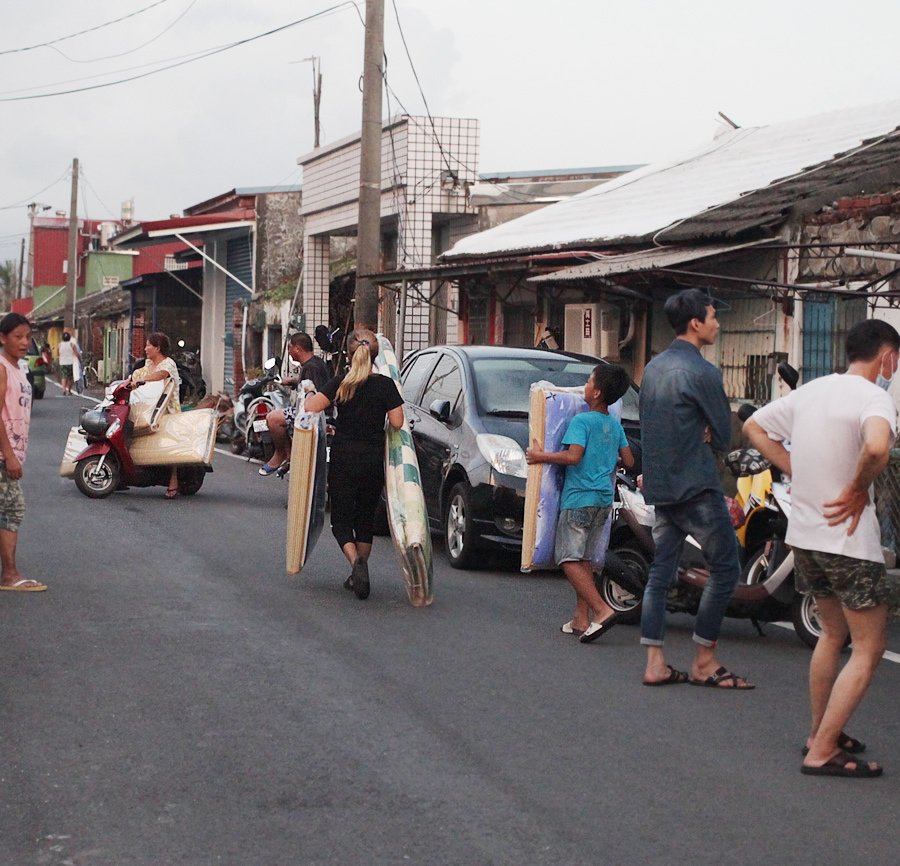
317	95
368	245
317	92
72	272
20	291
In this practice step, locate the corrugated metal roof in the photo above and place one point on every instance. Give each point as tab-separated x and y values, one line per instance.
641	260
743	178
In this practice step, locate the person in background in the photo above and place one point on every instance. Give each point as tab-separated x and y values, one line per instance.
356	467
68	352
15	407
685	414
596	442
279	421
841	429
159	366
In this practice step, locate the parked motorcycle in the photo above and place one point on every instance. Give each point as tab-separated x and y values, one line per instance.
256	399
106	464
766	591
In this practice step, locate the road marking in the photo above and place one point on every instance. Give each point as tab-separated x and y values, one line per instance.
888	655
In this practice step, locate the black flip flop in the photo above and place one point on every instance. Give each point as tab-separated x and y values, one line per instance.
837	766
845	743
674	678
723	675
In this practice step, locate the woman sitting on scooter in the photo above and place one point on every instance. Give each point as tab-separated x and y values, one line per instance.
160	366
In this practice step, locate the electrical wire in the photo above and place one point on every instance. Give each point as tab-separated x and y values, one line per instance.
25	201
134	50
82	32
202	56
419	85
103	204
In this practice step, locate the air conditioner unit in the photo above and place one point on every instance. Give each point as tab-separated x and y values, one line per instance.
593	329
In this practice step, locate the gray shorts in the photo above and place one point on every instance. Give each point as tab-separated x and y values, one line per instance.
578	532
12	502
857	583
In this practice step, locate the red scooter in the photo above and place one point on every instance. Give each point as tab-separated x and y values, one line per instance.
106	464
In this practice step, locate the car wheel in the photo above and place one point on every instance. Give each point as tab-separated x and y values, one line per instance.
459	531
96	481
625	603
190	480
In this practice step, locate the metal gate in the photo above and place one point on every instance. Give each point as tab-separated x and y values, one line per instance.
826	320
238	261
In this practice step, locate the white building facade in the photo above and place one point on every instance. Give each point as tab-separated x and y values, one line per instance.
427	168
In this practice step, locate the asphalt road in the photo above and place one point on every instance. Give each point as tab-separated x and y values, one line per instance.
175	698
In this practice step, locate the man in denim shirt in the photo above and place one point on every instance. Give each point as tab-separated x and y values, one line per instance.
684	416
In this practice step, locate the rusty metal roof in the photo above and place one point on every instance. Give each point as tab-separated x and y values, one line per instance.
641	260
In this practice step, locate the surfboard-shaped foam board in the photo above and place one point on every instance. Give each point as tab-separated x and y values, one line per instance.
407	516
307	489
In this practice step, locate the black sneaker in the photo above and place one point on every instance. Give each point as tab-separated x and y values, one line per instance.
359	577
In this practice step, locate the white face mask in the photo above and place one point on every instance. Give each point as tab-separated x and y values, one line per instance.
881	380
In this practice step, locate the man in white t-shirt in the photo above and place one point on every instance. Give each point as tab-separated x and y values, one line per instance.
68	352
841	429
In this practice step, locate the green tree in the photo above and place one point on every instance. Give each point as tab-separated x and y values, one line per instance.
9	282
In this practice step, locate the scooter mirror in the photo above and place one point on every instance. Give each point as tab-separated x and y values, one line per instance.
788	375
745	411
271	364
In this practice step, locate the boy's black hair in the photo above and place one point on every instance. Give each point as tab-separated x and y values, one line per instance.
865	339
612	382
11	321
684	306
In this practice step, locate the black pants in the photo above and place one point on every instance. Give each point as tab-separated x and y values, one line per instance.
355	482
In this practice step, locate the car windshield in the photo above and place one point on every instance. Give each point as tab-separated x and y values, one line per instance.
502	384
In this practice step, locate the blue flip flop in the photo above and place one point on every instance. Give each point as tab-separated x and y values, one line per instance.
265	470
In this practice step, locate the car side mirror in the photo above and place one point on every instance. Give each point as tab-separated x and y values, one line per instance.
440	409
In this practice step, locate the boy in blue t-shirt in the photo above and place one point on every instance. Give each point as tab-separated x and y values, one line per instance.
596	442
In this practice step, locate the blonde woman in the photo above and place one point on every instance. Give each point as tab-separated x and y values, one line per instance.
356	469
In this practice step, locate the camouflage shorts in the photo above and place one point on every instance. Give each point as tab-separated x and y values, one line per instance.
12	502
857	583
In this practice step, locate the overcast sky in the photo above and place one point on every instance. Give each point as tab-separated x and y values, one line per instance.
567	83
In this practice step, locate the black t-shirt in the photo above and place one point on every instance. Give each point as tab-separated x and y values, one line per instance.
316	371
362	418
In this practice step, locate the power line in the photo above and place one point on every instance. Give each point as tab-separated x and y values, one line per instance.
419	85
25	201
82	32
137	48
202	56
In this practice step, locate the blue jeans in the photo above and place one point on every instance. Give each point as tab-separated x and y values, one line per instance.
706	518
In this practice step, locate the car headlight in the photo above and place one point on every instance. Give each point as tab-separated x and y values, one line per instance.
504	454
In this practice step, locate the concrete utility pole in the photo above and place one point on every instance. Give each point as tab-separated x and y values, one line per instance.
317	96
72	272
368	245
20	293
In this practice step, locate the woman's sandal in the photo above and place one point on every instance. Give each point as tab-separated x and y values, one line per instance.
171	492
